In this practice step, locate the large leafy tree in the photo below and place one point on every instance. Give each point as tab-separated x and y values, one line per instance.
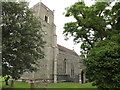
102	63
22	39
98	28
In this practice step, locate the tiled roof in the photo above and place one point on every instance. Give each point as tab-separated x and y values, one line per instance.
64	49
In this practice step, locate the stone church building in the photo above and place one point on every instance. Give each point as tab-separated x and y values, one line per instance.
60	63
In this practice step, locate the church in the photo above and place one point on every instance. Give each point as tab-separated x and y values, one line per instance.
60	64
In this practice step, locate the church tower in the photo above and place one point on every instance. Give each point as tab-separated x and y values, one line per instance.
48	66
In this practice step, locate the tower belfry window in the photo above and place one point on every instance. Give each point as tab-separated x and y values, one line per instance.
46	18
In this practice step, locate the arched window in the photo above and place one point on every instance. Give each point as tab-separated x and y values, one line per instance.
72	70
65	66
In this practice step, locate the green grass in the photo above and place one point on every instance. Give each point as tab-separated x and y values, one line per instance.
71	85
17	85
51	85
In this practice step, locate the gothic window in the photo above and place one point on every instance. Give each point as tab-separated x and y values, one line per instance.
65	66
46	18
72	70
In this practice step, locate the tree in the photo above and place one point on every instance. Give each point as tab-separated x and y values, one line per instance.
22	39
98	28
103	61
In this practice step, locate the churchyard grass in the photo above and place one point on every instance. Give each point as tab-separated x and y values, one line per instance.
71	85
17	85
51	85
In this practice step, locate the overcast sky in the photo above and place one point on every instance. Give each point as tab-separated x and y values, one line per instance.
59	19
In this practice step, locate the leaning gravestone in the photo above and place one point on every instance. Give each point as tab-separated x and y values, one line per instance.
11	82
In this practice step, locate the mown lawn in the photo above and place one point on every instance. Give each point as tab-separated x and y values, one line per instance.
71	85
17	85
51	85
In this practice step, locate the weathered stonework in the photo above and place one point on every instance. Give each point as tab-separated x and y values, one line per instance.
60	64
67	65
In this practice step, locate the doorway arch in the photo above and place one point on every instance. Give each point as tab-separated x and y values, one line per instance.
83	79
82	76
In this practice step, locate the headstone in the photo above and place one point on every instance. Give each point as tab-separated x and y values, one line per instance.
12	82
31	85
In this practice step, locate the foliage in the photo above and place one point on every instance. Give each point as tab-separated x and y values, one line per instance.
98	28
103	64
22	39
92	23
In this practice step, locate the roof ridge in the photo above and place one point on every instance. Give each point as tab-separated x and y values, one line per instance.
62	48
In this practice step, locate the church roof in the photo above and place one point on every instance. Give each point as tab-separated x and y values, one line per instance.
64	49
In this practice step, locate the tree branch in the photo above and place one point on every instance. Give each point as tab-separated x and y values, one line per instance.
85	36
